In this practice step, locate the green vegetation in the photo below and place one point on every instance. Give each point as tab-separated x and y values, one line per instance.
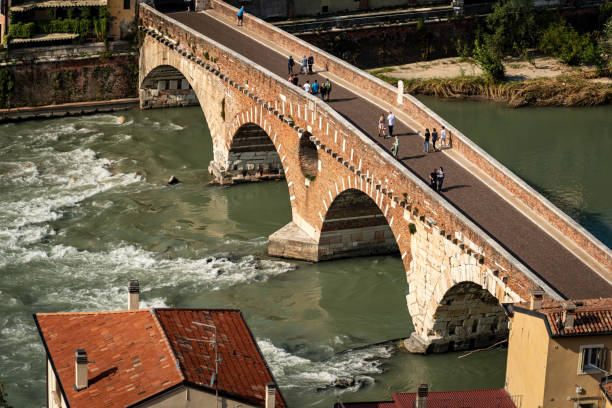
7	82
3	399
412	228
223	109
489	59
84	21
565	43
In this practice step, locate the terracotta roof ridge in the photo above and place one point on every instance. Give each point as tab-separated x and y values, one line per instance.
177	363
93	312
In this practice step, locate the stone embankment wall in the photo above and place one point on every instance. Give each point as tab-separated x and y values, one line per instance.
425	117
419	219
60	75
373	47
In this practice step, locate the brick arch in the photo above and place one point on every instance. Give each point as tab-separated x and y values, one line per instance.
163	69
252	155
354	224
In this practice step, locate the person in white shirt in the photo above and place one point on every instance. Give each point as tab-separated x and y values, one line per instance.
443	137
307	87
390	123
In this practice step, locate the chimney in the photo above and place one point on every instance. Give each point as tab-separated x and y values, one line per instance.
133	294
270	395
80	376
536	297
421	397
569	315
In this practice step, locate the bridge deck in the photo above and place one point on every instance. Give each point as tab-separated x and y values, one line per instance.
530	244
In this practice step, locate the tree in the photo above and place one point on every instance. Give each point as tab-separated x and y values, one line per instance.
513	27
606	41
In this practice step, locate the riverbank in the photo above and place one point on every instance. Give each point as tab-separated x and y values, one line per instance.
545	82
67	109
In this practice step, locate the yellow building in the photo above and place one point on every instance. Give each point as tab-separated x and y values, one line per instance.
559	353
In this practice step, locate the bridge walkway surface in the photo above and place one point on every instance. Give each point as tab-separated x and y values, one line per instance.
545	255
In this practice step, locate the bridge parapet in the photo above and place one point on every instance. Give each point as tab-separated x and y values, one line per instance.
426	118
440	247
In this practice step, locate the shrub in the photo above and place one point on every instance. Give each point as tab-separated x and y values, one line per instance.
489	59
22	30
412	228
565	43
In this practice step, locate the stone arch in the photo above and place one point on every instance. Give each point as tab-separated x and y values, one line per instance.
253	156
165	86
354	225
467	317
308	156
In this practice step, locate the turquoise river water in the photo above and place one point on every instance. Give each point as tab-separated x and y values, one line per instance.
84	208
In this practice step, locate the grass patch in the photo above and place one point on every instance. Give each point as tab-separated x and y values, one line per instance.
383	70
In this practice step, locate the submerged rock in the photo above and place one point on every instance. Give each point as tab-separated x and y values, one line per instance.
173	180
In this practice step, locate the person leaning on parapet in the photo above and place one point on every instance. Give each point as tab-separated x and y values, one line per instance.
310	64
240	15
307	87
290	65
443	137
295	80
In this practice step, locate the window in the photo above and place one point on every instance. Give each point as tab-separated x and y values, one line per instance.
126	4
592	358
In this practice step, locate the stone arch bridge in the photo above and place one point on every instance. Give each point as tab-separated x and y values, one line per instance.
349	196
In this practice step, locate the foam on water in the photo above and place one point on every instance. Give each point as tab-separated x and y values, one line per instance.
294	371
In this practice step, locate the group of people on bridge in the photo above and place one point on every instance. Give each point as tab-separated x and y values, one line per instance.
315	88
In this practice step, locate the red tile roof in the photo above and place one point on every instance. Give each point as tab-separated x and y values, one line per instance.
139	354
132	358
497	398
593	316
242	370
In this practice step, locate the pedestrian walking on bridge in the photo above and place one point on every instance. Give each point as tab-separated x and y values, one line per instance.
381	125
304	68
240	15
290	65
395	147
307	87
390	123
315	88
310	64
440	178
433	179
426	143
328	87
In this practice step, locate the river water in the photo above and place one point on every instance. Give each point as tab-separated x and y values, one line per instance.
84	208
